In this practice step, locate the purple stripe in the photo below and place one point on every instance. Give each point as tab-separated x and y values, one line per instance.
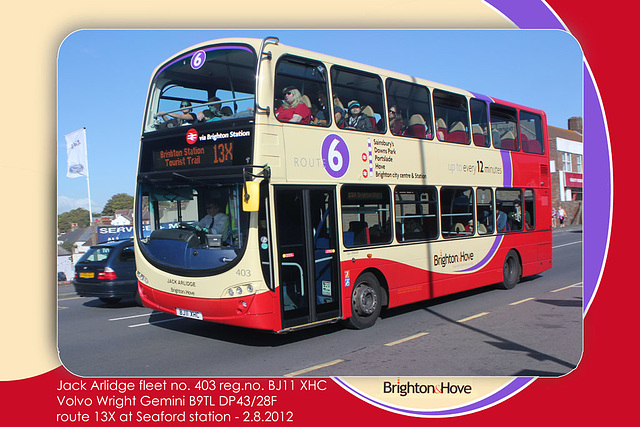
207	49
513	387
481	97
528	14
496	244
507	179
597	190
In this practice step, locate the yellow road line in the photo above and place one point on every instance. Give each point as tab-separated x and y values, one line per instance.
521	301
568	287
466	319
313	368
400	341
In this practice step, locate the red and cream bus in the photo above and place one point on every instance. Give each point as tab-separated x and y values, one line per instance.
320	219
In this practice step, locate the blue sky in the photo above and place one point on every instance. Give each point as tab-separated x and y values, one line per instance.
103	76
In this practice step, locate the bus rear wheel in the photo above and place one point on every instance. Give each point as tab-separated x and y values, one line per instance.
366	301
511	270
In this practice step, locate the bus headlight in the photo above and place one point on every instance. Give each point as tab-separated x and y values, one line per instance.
238	290
142	278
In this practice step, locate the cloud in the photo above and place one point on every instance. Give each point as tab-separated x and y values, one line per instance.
66	204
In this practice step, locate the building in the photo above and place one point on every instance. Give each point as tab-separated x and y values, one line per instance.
123	217
566	167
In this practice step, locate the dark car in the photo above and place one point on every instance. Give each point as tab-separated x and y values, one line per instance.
108	271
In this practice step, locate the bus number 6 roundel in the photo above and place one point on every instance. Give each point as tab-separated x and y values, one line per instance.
198	59
335	156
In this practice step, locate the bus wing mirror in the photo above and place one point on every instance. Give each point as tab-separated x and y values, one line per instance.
251	196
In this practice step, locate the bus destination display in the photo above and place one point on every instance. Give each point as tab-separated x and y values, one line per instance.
205	150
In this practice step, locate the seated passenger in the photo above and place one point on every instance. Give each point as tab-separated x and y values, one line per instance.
186	117
396	122
501	221
338	111
215	108
321	116
469	227
357	119
441	129
293	108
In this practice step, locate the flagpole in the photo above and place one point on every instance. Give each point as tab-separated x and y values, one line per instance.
88	188
89	195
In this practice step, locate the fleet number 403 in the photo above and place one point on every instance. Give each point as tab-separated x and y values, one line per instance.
243	272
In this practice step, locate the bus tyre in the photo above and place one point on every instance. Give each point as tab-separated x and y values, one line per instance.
137	298
511	270
366	301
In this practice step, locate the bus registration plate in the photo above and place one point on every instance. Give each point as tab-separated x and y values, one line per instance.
189	313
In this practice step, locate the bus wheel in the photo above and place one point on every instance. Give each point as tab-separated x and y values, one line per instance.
511	271
366	301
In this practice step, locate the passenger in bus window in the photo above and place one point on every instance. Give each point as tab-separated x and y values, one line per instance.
515	217
441	129
357	119
469	227
338	111
396	121
213	113
501	221
322	116
293	108
216	221
186	117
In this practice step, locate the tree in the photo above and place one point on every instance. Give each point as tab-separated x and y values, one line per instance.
117	202
78	215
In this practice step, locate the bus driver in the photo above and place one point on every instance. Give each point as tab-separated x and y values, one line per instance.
216	221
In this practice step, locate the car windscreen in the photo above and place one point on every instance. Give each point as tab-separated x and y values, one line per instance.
96	254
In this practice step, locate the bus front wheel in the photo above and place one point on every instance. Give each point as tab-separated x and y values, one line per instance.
511	270
366	301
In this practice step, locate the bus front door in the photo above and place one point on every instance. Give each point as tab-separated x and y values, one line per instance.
307	254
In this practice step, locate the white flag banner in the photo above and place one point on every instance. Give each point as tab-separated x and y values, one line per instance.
77	164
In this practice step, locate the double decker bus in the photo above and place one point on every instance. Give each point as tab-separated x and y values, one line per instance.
442	191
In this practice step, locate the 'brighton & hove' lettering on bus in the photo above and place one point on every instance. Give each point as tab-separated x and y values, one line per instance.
445	259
